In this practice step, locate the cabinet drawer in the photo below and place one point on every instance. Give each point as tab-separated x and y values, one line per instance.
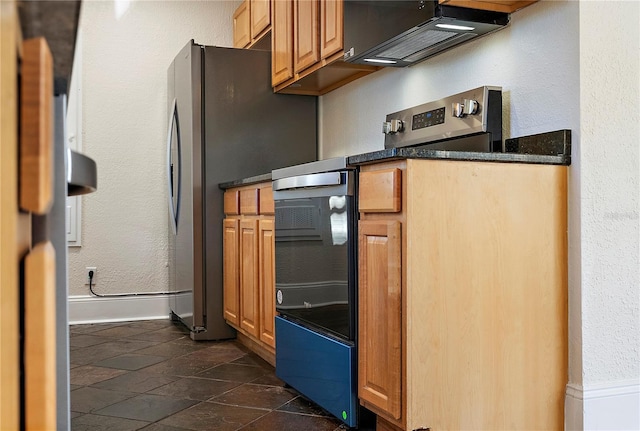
232	202
249	201
380	191
266	200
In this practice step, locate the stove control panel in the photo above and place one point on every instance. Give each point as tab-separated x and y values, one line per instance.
466	107
471	112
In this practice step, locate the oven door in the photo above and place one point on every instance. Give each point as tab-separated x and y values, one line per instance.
315	253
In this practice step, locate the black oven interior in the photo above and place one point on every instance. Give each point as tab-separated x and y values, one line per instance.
315	262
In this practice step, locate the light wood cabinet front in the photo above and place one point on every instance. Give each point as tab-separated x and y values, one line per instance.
230	277
267	286
249	299
380	315
306	50
11	248
483	302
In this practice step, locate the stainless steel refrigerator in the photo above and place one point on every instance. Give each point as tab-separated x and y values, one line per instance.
225	123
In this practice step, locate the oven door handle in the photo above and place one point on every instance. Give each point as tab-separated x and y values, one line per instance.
313	180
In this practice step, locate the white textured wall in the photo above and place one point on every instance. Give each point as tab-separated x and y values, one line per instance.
609	177
534	60
125	60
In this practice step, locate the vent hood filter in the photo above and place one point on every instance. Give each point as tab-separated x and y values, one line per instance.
402	33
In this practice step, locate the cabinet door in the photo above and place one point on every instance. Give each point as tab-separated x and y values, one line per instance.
230	275
249	300
282	42
260	17
267	282
331	18
241	25
379	316
306	51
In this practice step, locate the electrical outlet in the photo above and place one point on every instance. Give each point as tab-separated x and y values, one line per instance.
95	273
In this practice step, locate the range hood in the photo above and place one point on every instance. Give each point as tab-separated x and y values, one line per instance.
403	33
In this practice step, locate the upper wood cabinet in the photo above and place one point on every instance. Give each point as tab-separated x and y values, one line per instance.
251	22
260	18
507	6
241	26
282	42
307	48
331	34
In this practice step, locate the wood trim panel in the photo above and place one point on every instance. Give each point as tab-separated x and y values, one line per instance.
232	202
383	425
40	338
36	127
267	287
9	220
260	349
249	281
380	191
249	199
231	271
508	6
380	316
499	254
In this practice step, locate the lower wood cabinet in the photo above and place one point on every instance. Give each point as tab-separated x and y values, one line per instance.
463	295
249	271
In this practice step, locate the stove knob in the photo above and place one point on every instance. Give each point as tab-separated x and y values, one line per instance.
470	106
457	110
392	127
467	107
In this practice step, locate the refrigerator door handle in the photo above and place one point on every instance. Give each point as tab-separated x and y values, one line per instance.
173	213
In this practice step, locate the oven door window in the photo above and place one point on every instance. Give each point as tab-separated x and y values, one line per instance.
315	264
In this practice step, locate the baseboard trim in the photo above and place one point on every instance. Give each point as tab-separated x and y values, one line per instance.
603	406
90	309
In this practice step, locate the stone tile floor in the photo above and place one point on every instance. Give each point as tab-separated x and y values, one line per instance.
150	375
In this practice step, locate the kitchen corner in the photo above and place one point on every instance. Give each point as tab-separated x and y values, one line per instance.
472	265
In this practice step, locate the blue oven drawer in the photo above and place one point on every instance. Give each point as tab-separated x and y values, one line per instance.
320	368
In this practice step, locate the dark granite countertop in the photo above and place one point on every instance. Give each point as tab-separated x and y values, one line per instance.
246	181
552	148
